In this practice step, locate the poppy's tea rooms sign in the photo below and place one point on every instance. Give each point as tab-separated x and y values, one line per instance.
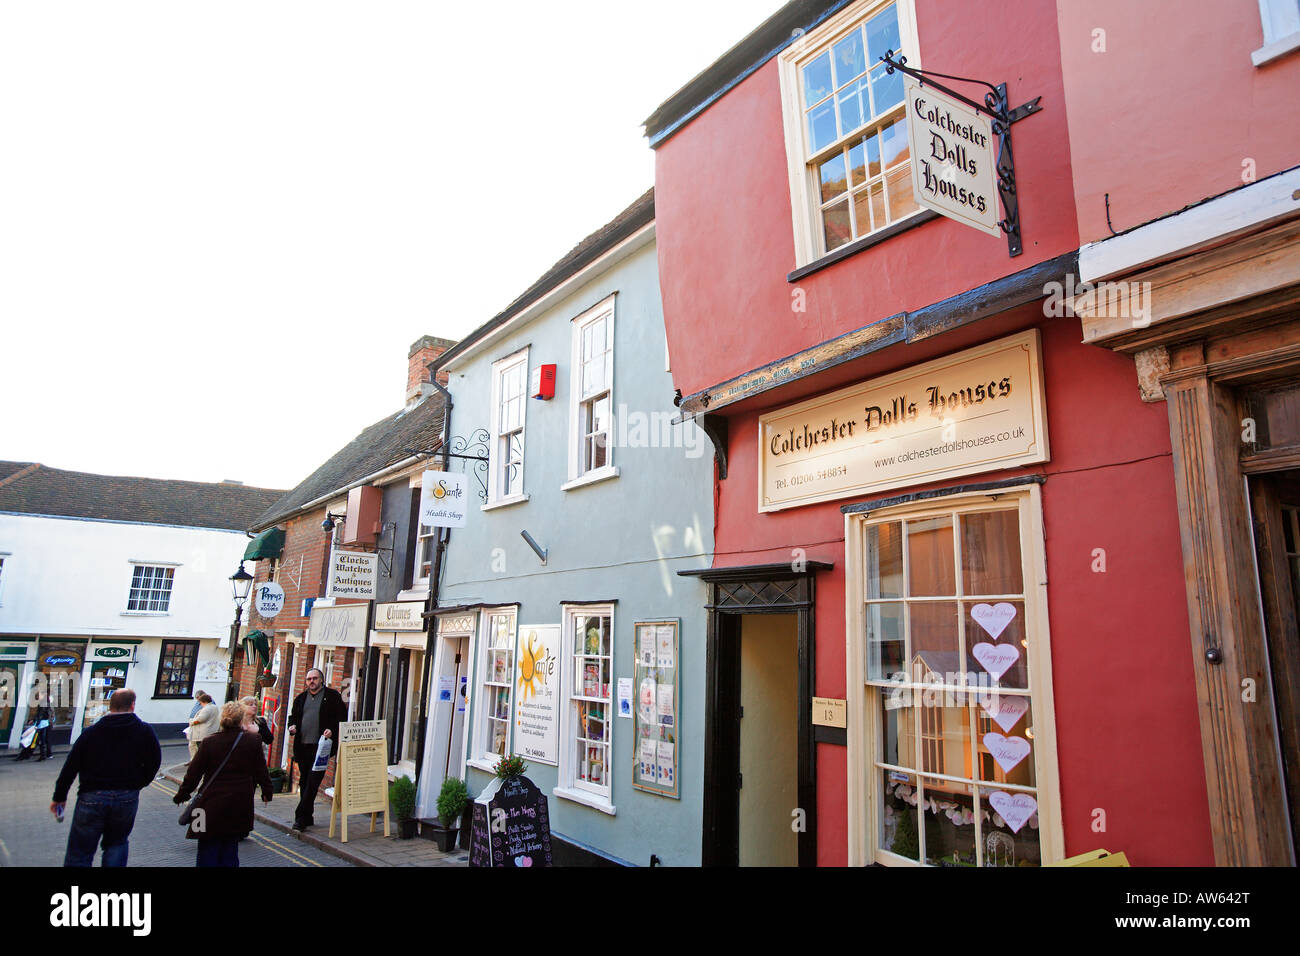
978	410
953	162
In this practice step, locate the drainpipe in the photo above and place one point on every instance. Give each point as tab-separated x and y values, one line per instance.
435	573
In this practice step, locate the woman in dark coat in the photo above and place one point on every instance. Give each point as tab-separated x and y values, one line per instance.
227	801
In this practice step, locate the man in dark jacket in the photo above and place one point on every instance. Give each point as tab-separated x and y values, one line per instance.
116	758
315	714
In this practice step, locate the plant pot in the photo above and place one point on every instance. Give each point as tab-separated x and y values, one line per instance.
445	837
406	829
267	680
466	826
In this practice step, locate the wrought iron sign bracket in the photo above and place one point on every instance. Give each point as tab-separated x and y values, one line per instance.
995	106
459	447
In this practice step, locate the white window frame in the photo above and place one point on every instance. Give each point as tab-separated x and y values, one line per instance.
496	453
1280	20
481	754
155	566
569	787
863	723
578	477
324	665
805	201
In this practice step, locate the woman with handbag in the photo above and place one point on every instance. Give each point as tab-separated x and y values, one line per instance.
231	767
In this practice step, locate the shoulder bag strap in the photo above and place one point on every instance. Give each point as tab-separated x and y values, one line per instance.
220	767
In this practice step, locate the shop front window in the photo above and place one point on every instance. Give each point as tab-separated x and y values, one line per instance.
953	686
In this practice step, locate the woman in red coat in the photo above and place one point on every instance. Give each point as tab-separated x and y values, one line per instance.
224	815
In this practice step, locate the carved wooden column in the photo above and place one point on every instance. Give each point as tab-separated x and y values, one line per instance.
1247	803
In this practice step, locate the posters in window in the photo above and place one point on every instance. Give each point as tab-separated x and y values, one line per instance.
537	694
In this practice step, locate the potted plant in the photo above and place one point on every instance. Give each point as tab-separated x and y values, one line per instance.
401	804
451	803
278	778
512	766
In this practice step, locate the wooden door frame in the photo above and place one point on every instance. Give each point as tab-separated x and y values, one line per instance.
733	592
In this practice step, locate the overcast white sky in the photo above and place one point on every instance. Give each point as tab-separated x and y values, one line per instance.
223	224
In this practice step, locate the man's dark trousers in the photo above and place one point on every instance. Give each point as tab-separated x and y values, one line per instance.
109	814
308	783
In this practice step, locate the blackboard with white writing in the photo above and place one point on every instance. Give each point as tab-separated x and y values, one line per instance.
511	825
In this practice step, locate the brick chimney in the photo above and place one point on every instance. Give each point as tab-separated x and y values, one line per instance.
423	351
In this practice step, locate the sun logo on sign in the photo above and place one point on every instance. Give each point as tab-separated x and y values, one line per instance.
533	666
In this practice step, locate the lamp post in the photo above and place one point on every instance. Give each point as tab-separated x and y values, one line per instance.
241	582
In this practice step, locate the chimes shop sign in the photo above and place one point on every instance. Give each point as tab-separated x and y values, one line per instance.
978	410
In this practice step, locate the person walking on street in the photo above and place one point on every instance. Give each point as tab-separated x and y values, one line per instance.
316	714
44	718
255	724
205	722
116	758
231	766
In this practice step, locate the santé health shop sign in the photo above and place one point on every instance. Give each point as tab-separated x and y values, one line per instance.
975	411
952	158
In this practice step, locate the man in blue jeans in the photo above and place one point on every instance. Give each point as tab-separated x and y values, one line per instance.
116	758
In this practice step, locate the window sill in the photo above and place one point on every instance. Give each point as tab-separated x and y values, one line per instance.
146	614
503	502
586	799
1277	49
481	765
591	478
866	242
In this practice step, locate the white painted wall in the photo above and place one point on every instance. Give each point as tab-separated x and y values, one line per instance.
71	576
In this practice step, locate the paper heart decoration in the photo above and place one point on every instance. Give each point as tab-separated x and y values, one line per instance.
994	618
1005	710
1014	809
996	658
1007	751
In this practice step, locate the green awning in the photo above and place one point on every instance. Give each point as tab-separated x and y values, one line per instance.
265	546
257	643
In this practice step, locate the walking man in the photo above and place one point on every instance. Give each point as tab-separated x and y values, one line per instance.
315	714
116	758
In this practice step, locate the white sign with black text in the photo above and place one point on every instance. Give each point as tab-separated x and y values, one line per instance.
268	598
953	162
352	574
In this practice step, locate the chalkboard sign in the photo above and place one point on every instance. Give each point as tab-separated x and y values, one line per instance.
511	825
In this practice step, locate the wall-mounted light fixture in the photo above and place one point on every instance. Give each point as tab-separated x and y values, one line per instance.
330	521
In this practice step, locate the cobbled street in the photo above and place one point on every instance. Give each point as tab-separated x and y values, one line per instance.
30	836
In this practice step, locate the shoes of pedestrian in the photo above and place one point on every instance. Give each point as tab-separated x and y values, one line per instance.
300	826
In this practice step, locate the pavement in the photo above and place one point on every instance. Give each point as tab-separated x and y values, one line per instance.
363	847
30	836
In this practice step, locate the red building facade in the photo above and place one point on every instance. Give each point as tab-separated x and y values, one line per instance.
979	658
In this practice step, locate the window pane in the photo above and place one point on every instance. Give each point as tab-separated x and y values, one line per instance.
1003	659
935	642
836	225
897	733
886	647
886	89
901	201
850	58
882	34
817	80
855	106
990	553
949	823
821	125
884	560
857	165
872	142
1005	756
893	143
930	559
832	177
1010	840
898	814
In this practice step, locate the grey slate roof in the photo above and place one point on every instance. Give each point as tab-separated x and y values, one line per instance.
32	488
383	444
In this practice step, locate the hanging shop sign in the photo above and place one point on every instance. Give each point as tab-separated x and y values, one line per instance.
353	574
443	500
954	167
400	616
268	599
978	410
341	626
537	702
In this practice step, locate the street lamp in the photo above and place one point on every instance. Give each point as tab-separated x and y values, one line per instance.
241	582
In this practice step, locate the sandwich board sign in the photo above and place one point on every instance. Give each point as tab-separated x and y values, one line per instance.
511	825
361	773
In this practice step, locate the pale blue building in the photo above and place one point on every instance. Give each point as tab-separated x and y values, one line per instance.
561	596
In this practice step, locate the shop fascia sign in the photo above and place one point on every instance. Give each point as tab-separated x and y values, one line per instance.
962	164
400	616
343	625
975	411
110	653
